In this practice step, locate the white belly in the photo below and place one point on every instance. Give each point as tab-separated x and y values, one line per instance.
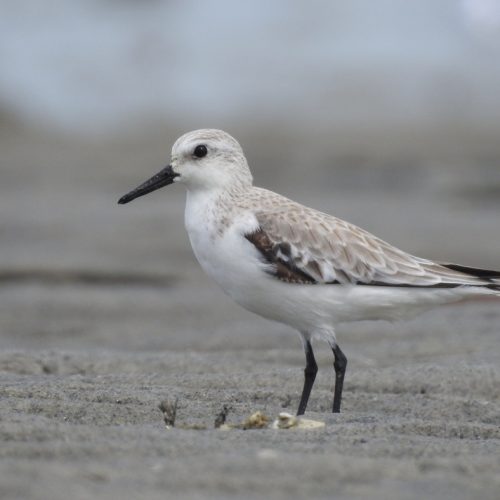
222	252
237	266
233	262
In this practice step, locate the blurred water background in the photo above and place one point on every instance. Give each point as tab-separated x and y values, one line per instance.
333	67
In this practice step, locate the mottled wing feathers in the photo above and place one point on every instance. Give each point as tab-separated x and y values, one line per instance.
305	246
283	266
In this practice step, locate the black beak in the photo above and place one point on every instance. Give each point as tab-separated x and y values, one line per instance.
162	178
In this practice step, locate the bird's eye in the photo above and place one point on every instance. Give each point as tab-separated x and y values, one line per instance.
200	151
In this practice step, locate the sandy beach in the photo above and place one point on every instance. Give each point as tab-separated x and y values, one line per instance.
104	313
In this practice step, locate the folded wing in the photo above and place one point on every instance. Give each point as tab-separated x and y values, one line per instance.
309	247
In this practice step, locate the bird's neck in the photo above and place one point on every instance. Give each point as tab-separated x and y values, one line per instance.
207	208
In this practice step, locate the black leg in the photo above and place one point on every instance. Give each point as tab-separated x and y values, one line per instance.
340	365
309	376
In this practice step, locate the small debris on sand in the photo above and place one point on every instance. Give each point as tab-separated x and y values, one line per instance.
288	421
169	410
257	420
220	419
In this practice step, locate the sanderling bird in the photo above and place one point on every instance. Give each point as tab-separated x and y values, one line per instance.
293	264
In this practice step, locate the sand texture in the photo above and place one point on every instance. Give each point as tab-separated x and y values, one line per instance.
104	314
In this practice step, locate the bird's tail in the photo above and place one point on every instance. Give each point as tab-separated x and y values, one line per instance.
488	279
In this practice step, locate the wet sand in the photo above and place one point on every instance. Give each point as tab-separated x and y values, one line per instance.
104	313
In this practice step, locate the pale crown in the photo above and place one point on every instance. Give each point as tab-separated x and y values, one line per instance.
210	159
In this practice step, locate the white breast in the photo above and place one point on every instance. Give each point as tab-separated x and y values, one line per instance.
218	242
236	265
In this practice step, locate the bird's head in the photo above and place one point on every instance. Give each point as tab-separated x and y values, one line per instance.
205	159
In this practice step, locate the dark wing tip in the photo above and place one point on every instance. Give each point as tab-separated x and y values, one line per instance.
485	274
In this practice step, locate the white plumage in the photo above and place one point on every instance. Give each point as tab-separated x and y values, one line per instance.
293	264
